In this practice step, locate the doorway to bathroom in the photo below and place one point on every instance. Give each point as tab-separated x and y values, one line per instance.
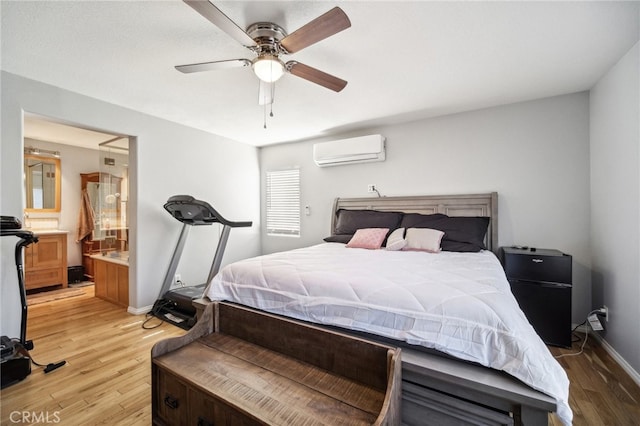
90	224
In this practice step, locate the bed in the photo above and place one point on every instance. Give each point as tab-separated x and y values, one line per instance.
469	354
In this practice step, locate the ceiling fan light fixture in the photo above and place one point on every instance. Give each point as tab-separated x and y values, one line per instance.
268	68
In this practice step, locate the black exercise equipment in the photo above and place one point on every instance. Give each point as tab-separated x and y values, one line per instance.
176	306
15	361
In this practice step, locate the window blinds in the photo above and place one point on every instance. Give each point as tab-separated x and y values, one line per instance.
283	202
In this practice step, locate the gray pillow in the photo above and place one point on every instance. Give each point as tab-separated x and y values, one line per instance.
349	221
461	233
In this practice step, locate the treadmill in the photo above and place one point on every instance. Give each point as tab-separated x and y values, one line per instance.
176	305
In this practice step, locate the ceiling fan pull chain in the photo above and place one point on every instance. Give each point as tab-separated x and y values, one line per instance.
265	116
273	92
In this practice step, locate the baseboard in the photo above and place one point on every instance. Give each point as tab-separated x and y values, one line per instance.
635	376
618	358
139	311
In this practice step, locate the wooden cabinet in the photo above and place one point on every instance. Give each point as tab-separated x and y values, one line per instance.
45	262
239	366
111	280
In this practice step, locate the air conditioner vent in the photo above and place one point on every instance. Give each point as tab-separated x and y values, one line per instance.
363	149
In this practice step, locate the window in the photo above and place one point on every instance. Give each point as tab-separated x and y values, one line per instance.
283	202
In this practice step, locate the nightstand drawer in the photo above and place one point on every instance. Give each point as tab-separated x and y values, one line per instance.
540	265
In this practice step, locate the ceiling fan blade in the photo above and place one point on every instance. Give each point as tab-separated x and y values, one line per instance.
265	96
320	28
222	21
215	65
316	76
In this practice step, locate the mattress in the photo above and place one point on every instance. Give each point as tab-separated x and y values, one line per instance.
458	303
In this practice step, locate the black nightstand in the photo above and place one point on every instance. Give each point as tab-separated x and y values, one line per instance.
541	283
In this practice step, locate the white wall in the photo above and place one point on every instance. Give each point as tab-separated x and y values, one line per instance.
615	203
534	154
169	159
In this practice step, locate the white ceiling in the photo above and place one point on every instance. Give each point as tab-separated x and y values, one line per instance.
403	60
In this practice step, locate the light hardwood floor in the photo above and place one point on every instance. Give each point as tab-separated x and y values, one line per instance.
107	377
601	392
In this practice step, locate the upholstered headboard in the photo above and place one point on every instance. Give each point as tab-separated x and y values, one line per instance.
451	205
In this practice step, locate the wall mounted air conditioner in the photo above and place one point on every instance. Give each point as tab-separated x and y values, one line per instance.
363	149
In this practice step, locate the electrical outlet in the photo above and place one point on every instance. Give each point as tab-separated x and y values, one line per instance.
371	188
606	313
177	280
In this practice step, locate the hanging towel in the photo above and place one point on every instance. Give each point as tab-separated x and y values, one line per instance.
86	218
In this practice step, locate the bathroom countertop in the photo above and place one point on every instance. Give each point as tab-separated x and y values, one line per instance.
47	231
121	259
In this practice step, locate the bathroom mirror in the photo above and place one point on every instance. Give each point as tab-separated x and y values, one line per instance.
42	183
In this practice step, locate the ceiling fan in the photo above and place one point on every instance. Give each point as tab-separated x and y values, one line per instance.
269	41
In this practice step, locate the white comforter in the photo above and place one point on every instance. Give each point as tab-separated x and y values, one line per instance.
457	303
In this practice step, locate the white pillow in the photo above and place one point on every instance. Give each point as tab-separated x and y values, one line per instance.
396	240
423	239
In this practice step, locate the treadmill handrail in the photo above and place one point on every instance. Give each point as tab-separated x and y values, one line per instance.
205	214
201	214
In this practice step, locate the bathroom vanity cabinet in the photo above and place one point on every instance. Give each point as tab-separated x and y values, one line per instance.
111	277
45	263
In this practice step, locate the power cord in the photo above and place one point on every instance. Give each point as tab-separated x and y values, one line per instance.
586	336
47	368
157	307
51	366
575	338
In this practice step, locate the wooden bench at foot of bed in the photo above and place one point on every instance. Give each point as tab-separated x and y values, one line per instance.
244	367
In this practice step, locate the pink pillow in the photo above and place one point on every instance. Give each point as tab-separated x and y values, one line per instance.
423	239
368	238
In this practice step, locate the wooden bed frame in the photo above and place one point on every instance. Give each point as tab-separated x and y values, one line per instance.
436	388
451	205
